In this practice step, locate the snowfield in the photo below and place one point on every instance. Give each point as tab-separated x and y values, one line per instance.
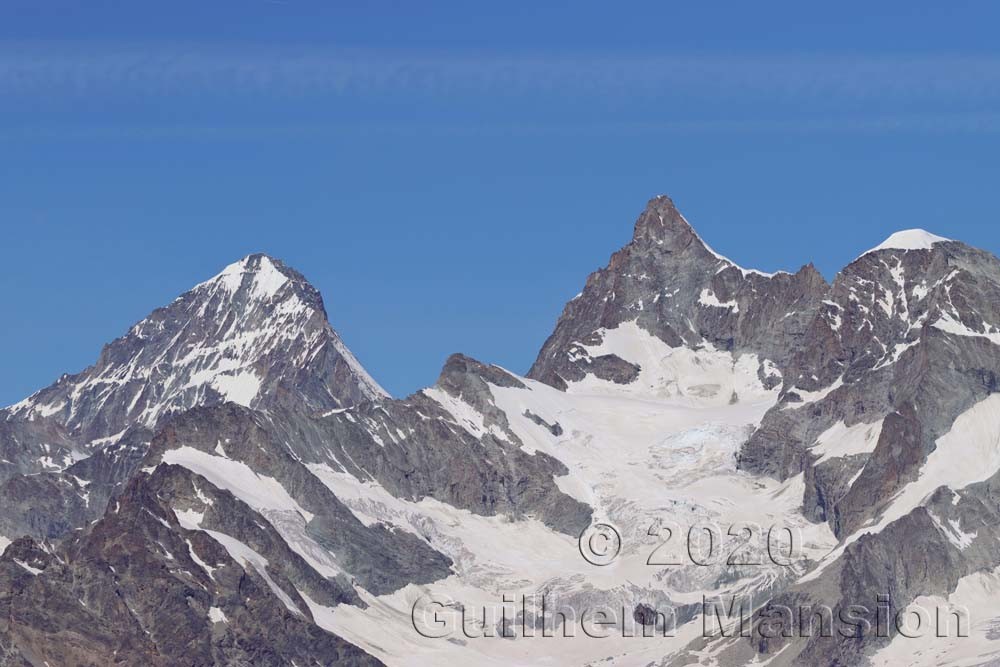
656	460
654	455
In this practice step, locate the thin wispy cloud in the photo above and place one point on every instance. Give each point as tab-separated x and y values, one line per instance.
36	69
948	123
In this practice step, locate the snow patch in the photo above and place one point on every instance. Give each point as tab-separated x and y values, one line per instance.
705	376
841	440
466	416
976	599
814	396
909	239
258	491
266	281
33	570
897	352
966	454
244	555
708	298
189	519
950	325
953	531
209	570
241	388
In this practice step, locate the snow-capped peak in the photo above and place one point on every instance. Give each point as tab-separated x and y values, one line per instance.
909	239
264	274
255	326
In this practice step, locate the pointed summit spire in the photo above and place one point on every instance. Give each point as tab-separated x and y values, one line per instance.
670	283
661	223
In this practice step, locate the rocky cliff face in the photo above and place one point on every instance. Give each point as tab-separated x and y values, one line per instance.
874	371
139	589
678	289
226	485
882	413
904	344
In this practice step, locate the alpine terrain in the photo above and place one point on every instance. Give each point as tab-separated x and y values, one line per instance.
705	465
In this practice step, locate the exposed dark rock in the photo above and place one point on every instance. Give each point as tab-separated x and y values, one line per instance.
134	589
555	429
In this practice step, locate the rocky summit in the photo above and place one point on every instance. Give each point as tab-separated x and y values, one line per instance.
705	464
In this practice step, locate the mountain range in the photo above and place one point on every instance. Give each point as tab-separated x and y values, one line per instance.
227	485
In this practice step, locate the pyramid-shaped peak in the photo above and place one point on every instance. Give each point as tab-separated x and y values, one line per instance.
663	225
661	203
910	239
255	334
661	218
258	280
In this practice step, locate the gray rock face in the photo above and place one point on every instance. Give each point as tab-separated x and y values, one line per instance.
679	290
52	504
137	589
256	334
380	560
923	553
34	446
884	347
426	446
905	340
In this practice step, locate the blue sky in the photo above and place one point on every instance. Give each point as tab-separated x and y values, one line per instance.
448	174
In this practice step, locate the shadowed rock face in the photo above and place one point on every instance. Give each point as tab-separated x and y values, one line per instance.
896	343
229	437
426	446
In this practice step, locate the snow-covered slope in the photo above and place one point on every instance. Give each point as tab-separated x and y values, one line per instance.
649	457
228	479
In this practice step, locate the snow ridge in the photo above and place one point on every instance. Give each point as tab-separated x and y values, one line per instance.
909	239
